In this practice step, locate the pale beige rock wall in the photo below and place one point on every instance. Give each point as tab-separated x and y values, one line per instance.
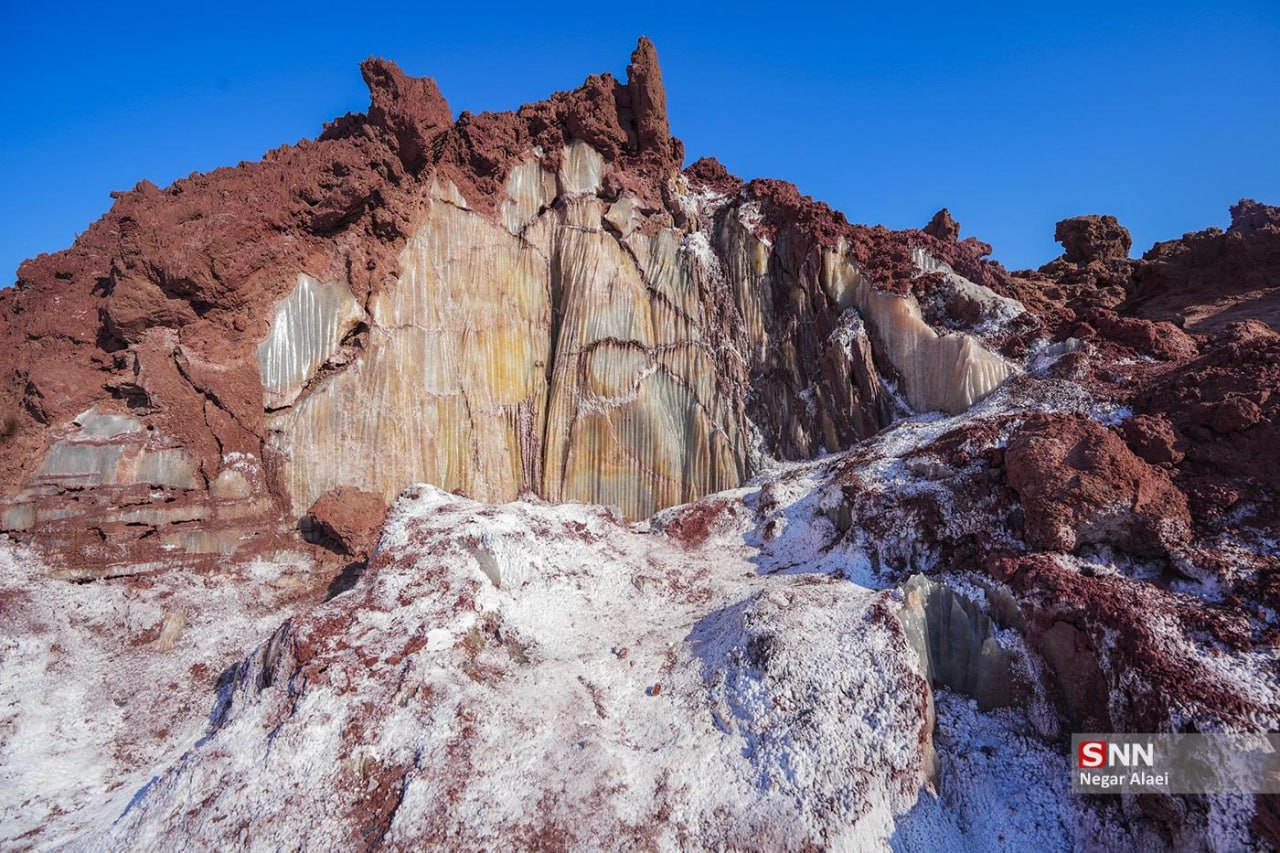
946	372
451	387
457	386
571	348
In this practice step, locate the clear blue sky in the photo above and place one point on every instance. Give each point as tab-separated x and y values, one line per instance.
1014	115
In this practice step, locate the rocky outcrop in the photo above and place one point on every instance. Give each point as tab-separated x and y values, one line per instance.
1223	410
1080	485
943	227
1086	239
1209	279
532	302
1094	270
410	110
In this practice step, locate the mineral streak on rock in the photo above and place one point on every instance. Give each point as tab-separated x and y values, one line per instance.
308	327
939	371
451	386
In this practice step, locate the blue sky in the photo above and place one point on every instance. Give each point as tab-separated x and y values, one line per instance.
1014	115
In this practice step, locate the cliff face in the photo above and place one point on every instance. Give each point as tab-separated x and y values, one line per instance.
532	302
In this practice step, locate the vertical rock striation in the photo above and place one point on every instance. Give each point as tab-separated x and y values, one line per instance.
535	302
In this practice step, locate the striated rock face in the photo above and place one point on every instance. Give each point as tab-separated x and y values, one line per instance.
537	302
588	349
309	326
955	640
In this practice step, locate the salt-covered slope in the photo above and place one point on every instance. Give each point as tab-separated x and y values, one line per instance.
748	669
529	674
103	686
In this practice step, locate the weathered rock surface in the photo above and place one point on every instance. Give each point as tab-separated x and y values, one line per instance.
537	302
943	227
1224	410
347	520
1093	238
1095	268
708	635
1080	485
1209	279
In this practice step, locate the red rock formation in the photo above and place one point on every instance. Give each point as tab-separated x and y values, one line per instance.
410	109
1208	279
1224	411
1107	642
1080	485
669	327
1092	238
348	520
163	310
943	227
1154	439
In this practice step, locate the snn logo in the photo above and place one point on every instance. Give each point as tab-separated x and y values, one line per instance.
1093	754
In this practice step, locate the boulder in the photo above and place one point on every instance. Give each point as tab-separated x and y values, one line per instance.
1093	238
347	520
1081	485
